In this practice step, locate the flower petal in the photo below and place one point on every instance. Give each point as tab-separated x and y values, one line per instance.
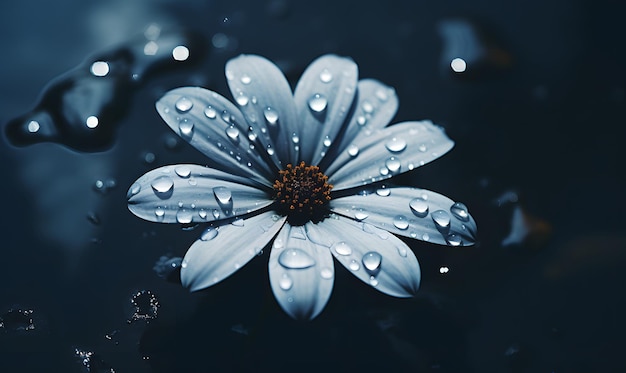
301	273
375	256
264	96
213	125
375	107
190	193
388	152
323	99
412	212
224	249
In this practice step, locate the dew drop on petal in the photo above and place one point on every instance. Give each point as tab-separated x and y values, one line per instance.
342	248
401	222
422	148
183	171
395	145
222	194
361	120
216	213
327	141
318	103
354	265
441	218
134	189
242	100
326	76
401	251
209	234
245	79
383	191
202	213
210	113
360	214
162	185
238	222
251	134
353	150
295	138
419	207
232	133
393	164
295	259
371	261
373	281
183	104
326	273
454	240
159	212
367	107
271	115
459	211
185	126
184	216
425	237
285	282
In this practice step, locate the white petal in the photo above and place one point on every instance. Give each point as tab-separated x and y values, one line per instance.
412	212
301	273
374	109
215	126
324	104
189	193
388	152
264	96
222	250
375	256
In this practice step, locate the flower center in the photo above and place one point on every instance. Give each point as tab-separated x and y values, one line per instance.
302	193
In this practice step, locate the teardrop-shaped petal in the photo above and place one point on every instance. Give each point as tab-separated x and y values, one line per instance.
389	152
375	106
375	256
301	273
217	128
221	252
412	212
264	96
188	193
323	97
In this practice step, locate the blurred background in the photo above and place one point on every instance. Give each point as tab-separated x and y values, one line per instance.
533	93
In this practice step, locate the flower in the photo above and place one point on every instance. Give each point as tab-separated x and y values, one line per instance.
302	170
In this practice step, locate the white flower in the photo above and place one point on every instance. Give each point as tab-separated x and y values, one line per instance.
297	169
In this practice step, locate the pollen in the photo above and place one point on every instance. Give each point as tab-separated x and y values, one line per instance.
302	192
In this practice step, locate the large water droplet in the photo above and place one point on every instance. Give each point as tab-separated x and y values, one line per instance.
185	126
209	234
360	214
183	171
183	104
326	76
222	194
318	103
163	186
295	259
210	113
454	240
459	211
232	133
401	222
353	150
184	216
396	145
342	248
393	164
371	261
441	218
285	282
419	207
271	115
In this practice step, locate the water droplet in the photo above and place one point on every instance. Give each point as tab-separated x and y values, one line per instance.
134	189
393	164
425	237
285	282
382	95
192	181
209	234
183	171
383	191
271	115
216	213
441	218
454	240
242	99
395	145
459	211
360	214
327	141
184	216
367	107
326	273
270	150
318	103
183	104
401	251
163	186
373	281
295	259
92	121
326	76
354	265
185	126
160	213
210	112
353	150
371	261
245	79
222	194
361	120
422	148
251	134
202	213
239	222
232	133
419	207
401	222
295	138
342	248
33	126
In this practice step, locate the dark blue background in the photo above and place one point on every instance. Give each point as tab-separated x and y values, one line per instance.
546	127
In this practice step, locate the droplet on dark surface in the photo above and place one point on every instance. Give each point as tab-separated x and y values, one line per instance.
146	306
82	108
